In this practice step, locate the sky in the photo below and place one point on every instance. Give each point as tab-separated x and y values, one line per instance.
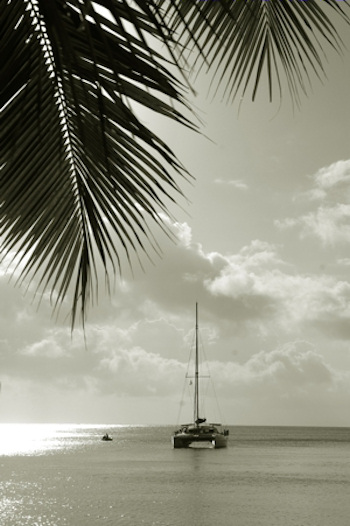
262	246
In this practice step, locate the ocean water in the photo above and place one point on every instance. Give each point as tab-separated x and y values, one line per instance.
65	475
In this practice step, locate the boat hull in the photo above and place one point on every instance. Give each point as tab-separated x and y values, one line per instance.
199	436
190	441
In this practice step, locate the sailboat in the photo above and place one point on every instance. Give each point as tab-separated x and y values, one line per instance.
199	431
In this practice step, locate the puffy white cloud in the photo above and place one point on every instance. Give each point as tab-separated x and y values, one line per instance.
335	175
330	224
293	383
250	292
135	372
47	348
241	274
330	221
137	343
288	369
269	294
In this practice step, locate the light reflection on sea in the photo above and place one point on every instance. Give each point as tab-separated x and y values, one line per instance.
39	439
64	475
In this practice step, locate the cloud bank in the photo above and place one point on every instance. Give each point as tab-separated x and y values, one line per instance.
258	316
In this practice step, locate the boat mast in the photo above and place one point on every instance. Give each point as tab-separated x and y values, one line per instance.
196	374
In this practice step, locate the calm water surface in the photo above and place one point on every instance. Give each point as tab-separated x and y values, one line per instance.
268	476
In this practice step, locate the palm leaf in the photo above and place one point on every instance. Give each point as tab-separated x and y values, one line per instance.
78	169
75	158
238	40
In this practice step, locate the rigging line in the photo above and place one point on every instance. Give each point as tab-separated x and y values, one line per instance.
221	416
181	403
185	383
211	385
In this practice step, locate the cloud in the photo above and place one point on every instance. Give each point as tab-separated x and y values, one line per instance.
265	292
135	372
137	342
286	223
252	293
241	272
328	224
235	183
263	388
343	262
331	225
46	348
292	383
330	221
290	370
333	177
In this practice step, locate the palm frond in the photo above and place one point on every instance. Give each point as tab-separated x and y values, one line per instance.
76	161
238	40
78	169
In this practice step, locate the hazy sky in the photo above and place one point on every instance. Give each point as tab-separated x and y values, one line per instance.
263	246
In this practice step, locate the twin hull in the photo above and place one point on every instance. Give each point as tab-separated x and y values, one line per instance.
186	437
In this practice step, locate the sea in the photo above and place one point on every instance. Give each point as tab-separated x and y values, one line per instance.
65	475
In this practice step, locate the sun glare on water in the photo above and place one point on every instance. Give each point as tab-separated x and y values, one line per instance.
34	439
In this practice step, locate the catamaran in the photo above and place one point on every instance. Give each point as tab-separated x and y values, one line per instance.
199	431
